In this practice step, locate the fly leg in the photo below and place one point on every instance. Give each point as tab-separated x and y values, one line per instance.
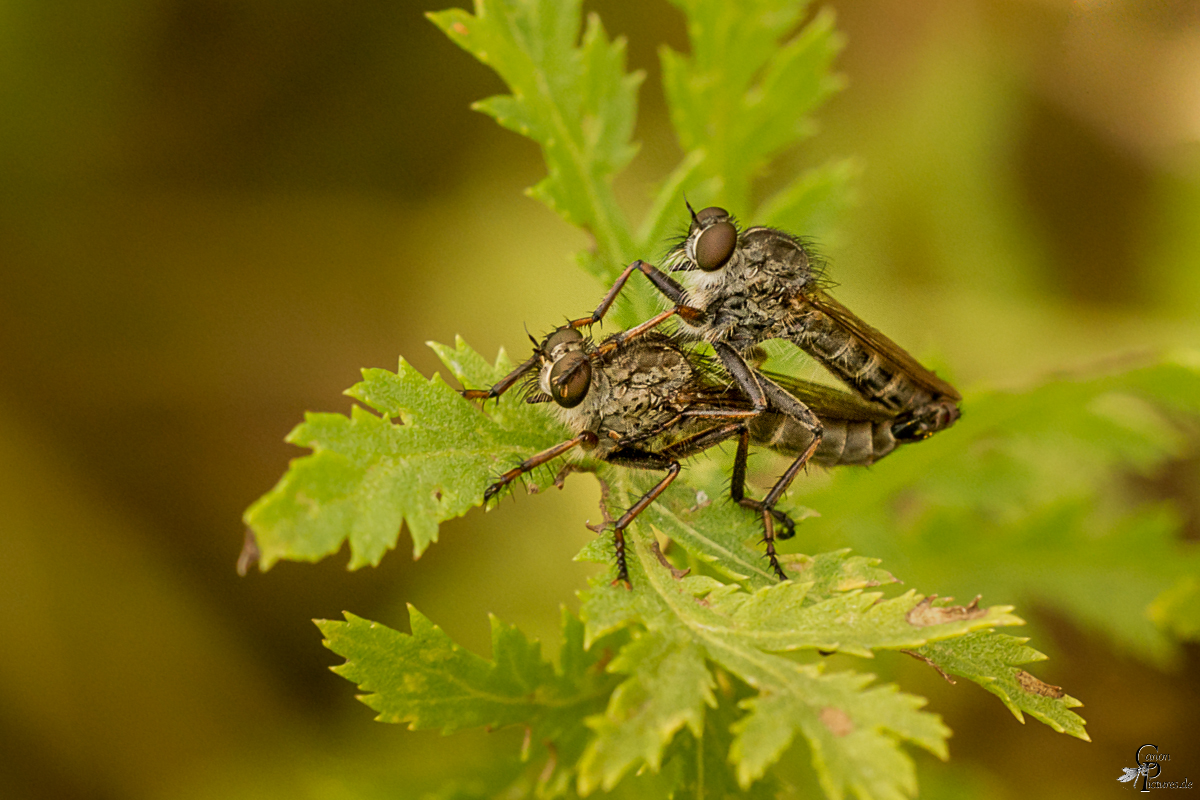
661	280
765	393
535	461
715	414
667	459
505	383
785	403
665	283
617	339
766	506
737	492
628	517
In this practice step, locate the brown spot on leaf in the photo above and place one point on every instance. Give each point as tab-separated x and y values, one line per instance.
1034	686
925	613
437	494
460	29
838	721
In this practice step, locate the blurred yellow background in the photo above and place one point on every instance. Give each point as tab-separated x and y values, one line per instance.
214	213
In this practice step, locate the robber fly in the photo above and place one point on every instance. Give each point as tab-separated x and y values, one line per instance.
747	286
647	402
635	401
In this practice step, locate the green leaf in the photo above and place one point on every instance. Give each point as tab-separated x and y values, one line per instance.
827	574
683	676
1028	499
851	729
993	661
707	769
576	102
367	474
737	102
775	620
425	680
743	94
698	517
813	202
668	687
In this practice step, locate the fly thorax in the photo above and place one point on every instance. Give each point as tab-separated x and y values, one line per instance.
643	382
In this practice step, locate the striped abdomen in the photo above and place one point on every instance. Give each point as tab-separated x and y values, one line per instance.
845	442
860	365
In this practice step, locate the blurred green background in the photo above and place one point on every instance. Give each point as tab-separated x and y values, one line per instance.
213	213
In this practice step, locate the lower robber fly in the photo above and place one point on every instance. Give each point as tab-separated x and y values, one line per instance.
635	401
747	286
646	402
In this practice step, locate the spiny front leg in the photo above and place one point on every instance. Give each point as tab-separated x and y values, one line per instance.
536	461
769	541
618	339
504	384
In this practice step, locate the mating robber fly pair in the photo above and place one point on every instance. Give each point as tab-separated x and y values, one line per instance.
644	399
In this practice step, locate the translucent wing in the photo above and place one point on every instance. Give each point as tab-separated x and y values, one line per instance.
829	402
825	401
1129	775
885	347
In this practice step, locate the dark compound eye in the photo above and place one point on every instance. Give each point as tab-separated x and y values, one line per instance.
715	245
570	378
709	213
566	335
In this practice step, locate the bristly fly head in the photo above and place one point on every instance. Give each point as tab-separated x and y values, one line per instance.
709	243
565	353
561	340
532	394
709	216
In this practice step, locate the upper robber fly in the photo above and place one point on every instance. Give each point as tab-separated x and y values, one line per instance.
746	286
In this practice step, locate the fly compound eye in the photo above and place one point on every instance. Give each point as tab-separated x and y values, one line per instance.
704	215
715	244
563	336
570	378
